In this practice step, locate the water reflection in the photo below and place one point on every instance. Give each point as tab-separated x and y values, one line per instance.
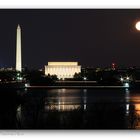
79	109
62	100
85	99
70	109
137	108
133	109
9	101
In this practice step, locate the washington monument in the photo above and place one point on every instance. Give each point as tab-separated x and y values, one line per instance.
18	49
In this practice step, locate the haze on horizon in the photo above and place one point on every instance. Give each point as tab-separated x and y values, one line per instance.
92	37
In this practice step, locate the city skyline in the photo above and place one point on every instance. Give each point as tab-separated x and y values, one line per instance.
91	37
64	69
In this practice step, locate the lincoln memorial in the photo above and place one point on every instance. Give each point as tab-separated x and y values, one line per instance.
62	69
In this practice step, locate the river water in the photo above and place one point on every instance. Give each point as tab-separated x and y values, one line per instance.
70	109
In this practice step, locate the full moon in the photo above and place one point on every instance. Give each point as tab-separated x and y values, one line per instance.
138	25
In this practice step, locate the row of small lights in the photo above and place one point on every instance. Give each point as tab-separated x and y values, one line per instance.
122	79
126	84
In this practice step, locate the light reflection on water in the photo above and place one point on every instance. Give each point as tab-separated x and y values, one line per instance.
69	99
133	99
62	100
76	108
133	108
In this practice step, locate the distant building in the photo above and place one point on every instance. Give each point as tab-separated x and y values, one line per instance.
62	69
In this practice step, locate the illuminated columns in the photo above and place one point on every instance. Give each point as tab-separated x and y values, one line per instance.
18	49
62	69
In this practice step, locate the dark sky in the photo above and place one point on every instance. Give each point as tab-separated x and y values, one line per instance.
93	37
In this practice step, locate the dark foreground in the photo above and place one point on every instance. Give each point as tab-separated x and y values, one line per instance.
70	109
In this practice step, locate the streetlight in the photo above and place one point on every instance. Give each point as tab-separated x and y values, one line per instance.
127	78
121	79
126	85
85	78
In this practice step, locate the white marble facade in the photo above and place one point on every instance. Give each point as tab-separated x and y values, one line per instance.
62	69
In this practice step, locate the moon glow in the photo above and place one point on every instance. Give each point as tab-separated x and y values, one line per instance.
138	25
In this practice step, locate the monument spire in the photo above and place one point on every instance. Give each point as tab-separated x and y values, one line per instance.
18	50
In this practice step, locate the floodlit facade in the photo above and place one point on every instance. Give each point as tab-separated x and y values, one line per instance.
62	69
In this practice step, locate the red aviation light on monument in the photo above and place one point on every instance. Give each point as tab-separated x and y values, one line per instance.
113	66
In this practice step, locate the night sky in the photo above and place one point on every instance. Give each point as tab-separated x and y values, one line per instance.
94	38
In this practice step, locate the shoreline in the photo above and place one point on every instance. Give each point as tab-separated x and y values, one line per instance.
77	87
